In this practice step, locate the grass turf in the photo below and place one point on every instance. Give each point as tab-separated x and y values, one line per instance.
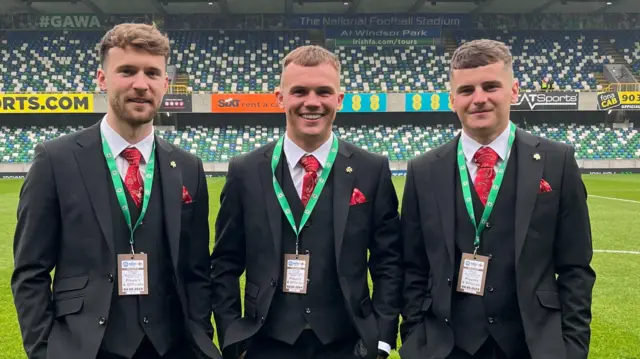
615	225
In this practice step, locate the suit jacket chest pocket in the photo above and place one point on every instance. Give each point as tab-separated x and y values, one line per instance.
359	214
186	215
545	212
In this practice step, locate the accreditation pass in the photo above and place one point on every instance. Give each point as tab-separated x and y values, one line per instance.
133	274
296	271
473	273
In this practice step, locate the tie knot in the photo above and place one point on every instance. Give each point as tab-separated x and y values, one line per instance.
486	157
310	163
132	155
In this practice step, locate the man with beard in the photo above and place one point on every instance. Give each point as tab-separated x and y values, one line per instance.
496	231
122	217
300	216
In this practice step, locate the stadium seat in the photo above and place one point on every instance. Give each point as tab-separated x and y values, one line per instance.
398	142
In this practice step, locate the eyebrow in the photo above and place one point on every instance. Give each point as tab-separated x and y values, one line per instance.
487	83
321	88
124	67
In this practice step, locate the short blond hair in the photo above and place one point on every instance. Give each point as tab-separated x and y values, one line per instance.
311	55
478	53
139	36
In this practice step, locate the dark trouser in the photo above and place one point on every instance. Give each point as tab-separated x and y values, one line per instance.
489	350
308	346
147	351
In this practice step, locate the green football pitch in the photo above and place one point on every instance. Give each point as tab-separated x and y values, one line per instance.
614	205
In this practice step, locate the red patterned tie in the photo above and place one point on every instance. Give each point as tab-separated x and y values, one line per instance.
133	179
311	166
486	159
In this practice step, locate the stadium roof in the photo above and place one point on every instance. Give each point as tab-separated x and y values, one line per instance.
315	6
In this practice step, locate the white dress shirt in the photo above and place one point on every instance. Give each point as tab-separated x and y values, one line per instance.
119	144
470	147
294	154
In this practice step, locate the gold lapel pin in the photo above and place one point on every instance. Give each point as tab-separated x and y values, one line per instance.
349	169
536	156
173	164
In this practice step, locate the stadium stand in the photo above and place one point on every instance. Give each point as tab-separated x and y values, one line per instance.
398	142
52	61
231	61
228	61
628	44
572	59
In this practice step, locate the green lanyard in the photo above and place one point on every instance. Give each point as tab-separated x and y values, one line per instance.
316	192
117	184
497	182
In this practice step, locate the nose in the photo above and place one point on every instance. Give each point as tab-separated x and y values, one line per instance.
479	97
312	100
140	82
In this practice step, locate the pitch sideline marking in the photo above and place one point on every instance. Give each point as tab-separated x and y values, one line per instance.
614	251
615	199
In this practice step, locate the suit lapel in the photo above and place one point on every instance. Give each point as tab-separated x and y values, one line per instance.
274	212
342	187
529	175
171	183
444	185
95	175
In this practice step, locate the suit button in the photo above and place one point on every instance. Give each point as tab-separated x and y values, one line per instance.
273	283
491	320
449	281
488	225
307	252
490	288
262	320
308	224
307	310
145	320
101	321
489	255
111	278
446	320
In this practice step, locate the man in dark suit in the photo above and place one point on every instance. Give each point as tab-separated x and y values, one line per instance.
116	293
511	210
307	296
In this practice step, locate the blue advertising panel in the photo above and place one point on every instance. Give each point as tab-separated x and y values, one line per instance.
400	32
318	21
427	102
364	102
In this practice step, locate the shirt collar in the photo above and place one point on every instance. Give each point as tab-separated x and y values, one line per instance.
295	153
500	145
118	144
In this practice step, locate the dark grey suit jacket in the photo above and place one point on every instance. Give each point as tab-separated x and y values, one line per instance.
552	237
249	234
64	222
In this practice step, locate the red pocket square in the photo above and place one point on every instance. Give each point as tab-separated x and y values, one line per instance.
186	197
544	186
357	197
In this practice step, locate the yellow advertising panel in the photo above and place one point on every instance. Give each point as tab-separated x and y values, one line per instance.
630	98
46	103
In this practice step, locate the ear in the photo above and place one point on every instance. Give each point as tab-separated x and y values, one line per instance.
515	90
452	100
340	99
279	97
102	79
166	82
